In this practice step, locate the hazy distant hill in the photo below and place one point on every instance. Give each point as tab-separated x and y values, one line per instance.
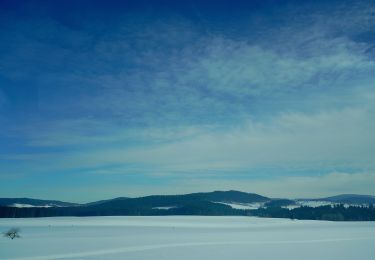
231	196
188	204
26	202
350	199
178	200
217	203
104	201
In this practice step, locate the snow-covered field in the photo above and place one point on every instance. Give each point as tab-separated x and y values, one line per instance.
185	238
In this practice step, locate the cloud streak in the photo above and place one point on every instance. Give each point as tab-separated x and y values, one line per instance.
170	94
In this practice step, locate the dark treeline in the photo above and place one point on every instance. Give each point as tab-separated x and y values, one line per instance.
203	208
334	213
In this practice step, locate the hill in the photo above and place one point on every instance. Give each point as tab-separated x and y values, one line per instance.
216	203
350	199
28	203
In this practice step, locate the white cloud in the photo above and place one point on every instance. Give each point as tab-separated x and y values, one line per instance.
243	69
294	187
337	138
328	139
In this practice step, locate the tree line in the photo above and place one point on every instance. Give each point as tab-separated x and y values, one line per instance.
204	208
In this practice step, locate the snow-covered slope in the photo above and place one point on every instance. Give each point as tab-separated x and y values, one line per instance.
255	205
19	205
28	203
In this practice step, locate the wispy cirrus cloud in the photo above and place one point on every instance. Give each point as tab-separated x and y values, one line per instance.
326	140
286	87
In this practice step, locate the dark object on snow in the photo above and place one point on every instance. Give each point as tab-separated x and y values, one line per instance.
12	233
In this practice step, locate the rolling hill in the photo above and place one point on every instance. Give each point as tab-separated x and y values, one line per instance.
216	203
28	203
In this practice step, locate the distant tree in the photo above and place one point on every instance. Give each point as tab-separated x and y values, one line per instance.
12	233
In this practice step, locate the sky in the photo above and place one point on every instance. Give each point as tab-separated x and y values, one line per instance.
100	99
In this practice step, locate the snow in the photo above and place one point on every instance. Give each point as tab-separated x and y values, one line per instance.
186	237
255	205
299	203
291	206
165	208
314	204
19	205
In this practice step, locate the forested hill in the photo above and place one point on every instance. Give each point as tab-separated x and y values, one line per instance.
27	202
152	201
217	203
350	199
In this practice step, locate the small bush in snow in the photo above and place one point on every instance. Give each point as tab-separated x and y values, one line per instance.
12	233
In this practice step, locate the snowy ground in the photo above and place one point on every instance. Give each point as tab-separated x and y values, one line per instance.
255	205
186	238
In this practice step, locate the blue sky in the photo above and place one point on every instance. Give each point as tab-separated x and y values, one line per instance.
100	99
